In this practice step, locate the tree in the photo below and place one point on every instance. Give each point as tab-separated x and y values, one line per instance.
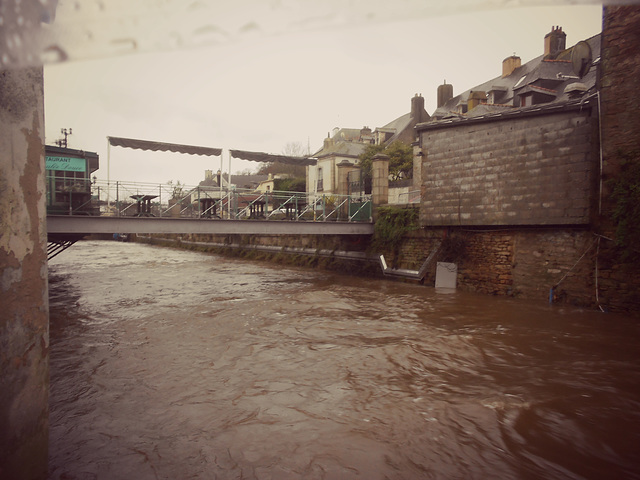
400	159
366	158
291	149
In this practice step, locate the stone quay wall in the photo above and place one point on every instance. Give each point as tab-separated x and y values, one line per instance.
571	264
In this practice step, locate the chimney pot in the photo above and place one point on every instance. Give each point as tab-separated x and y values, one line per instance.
554	42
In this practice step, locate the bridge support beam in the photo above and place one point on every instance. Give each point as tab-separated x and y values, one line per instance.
24	317
67	224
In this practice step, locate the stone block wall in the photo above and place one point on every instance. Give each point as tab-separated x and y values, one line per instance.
619	85
486	262
528	263
532	170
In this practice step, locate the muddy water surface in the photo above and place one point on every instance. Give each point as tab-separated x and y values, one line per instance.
168	364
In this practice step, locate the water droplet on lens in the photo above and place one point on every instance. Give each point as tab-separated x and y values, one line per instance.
53	54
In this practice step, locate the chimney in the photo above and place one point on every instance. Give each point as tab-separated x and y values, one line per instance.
554	42
417	107
328	142
509	64
445	93
475	99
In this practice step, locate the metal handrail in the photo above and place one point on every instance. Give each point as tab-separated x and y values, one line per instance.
114	199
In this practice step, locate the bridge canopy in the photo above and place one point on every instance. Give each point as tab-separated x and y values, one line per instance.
268	157
163	147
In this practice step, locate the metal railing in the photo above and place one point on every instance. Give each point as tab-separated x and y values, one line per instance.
412	196
140	199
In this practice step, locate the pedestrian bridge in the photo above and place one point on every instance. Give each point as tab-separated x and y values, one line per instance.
84	208
60	225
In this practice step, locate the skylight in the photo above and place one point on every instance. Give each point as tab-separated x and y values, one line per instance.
520	81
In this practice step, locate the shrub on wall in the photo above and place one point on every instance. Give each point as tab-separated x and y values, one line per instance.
392	223
626	206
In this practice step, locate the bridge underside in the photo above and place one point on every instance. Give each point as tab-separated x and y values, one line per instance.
87	225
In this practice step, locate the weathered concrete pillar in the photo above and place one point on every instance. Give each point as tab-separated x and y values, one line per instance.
24	314
380	184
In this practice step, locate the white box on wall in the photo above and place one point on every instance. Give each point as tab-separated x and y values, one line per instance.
446	274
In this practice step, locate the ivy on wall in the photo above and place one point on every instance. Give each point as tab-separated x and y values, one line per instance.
391	225
626	206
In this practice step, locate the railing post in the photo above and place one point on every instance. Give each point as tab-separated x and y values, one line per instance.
324	206
160	199
118	198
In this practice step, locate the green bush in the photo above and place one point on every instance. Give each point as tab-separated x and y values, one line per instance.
391	225
626	207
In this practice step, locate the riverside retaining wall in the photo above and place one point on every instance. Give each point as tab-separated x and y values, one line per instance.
571	264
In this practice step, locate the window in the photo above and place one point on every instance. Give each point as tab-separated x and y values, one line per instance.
519	82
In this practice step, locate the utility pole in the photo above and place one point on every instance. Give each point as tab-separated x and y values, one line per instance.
63	141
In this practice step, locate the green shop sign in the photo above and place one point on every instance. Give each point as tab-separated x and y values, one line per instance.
66	164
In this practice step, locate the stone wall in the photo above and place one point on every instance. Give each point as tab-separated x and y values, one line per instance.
343	253
619	274
619	86
528	263
531	170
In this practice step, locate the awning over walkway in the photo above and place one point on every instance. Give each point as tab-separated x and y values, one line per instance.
268	157
163	147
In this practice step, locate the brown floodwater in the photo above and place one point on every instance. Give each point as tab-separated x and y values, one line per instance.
170	364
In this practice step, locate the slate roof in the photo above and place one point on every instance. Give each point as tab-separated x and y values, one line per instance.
342	149
349	142
548	78
398	126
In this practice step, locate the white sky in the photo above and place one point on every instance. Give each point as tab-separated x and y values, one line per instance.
261	92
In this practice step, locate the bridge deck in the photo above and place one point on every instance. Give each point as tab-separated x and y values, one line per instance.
69	224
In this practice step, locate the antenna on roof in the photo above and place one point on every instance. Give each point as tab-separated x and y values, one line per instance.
581	58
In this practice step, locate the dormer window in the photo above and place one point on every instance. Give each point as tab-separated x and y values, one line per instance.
496	94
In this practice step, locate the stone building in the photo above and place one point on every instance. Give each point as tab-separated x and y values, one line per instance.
516	173
510	169
344	145
520	149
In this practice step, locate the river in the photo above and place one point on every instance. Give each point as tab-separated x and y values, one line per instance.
171	364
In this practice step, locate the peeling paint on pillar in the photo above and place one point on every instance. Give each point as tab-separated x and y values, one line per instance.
24	319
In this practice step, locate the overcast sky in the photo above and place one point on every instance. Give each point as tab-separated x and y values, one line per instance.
261	91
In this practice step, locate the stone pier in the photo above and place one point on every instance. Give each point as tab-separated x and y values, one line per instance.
24	307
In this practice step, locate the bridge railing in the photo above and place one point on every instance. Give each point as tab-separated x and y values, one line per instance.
118	198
